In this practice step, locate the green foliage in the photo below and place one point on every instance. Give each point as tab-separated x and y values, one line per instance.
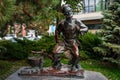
2	51
39	12
88	41
22	48
75	4
100	50
110	48
112	72
7	8
83	55
14	50
7	67
47	42
4	66
35	13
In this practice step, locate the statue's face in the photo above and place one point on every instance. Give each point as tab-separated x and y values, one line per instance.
68	12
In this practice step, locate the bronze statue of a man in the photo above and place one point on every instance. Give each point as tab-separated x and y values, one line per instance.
70	29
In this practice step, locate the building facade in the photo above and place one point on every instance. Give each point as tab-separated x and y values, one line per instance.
91	14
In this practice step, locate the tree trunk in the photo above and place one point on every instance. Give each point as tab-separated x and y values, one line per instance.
25	10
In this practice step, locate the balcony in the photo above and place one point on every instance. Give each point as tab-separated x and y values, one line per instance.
89	16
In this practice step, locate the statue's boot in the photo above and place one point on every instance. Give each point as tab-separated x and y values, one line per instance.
71	61
75	65
56	61
78	66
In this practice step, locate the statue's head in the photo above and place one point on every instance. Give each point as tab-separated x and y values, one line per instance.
67	10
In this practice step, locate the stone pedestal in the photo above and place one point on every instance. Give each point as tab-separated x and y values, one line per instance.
49	71
57	75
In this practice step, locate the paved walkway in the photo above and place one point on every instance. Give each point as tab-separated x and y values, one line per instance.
89	75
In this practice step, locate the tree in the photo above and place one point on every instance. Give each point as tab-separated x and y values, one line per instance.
39	12
36	13
7	8
110	35
75	4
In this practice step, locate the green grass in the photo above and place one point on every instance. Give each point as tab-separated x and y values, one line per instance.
3	68
8	67
110	71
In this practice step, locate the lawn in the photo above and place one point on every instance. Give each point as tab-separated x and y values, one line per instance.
110	71
9	67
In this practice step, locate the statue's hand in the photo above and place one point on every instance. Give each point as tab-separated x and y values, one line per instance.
60	43
57	41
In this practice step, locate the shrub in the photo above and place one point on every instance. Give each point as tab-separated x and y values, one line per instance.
88	42
47	42
14	50
83	55
22	48
2	51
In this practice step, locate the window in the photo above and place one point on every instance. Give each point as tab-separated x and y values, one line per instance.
95	5
94	26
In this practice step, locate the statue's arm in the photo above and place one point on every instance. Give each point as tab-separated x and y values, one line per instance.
82	27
